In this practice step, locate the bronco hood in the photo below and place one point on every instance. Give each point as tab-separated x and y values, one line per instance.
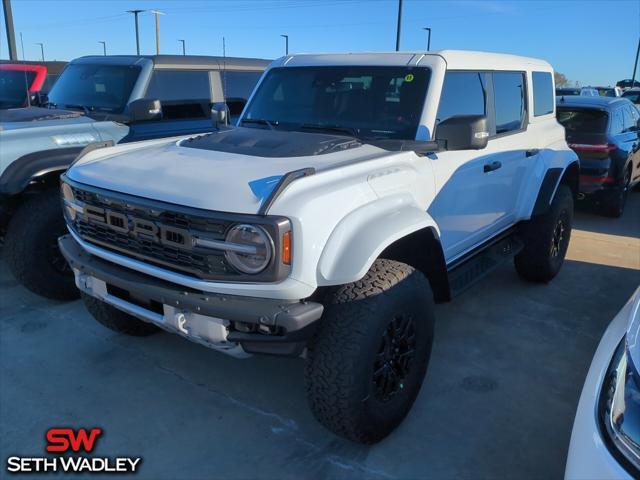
30	117
232	170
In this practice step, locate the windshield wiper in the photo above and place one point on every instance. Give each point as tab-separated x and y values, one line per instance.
260	121
352	132
84	108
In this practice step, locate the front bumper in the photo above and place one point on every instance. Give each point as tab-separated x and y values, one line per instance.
589	454
234	324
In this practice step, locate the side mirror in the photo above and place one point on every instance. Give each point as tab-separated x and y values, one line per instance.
219	114
463	132
38	99
144	109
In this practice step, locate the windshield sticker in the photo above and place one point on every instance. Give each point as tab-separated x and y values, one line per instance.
408	77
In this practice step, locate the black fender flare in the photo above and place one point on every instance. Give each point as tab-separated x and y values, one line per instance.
29	167
569	176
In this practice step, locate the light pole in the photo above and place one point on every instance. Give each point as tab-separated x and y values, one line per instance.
399	25
22	46
429	38
41	50
286	44
135	14
635	66
157	13
184	50
104	47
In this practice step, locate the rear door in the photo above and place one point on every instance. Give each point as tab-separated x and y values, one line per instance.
631	139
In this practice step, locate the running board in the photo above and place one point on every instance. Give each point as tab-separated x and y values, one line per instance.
464	274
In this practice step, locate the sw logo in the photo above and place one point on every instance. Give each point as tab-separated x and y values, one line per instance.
66	442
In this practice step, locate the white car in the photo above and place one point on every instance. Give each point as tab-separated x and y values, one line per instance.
605	442
355	190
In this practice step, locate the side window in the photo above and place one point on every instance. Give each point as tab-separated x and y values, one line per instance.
237	88
542	93
509	93
630	119
463	93
183	93
617	122
179	85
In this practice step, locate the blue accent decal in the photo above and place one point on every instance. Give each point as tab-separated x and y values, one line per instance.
263	187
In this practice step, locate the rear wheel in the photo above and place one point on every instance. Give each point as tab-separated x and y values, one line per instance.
31	247
614	205
546	239
117	320
366	365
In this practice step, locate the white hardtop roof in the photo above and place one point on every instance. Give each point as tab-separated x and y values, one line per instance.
455	59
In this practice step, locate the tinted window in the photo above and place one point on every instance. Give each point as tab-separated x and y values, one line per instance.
617	121
13	87
632	96
463	93
606	92
567	91
583	120
96	87
630	119
509	100
239	84
179	85
542	93
368	101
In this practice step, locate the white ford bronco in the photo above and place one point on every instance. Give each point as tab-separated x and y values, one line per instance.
354	192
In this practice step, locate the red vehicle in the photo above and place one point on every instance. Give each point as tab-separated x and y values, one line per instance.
19	83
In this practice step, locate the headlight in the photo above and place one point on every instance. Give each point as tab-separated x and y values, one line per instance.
68	201
252	248
619	408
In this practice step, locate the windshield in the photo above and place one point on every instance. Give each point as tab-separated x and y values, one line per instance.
14	86
365	102
583	120
567	91
606	92
104	88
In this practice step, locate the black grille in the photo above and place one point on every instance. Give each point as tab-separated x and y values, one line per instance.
198	262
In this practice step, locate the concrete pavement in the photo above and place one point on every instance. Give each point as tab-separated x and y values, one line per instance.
499	398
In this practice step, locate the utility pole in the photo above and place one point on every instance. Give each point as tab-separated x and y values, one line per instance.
157	13
635	66
399	25
11	34
22	46
104	47
224	47
41	50
184	51
286	44
135	14
429	40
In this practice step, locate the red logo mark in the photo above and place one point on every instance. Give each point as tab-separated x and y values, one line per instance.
63	439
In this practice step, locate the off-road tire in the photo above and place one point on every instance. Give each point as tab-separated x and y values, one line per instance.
31	247
339	370
117	320
544	251
613	205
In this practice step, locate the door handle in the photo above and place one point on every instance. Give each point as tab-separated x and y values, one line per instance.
490	167
532	152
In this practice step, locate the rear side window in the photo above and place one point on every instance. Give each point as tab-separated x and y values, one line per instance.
509	91
583	120
463	93
630	118
239	85
179	85
542	93
617	121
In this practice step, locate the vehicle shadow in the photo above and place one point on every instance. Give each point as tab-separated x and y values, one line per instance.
588	217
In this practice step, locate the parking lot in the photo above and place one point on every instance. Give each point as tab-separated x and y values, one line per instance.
499	398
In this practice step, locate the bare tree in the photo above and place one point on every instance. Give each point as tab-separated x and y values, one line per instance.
560	79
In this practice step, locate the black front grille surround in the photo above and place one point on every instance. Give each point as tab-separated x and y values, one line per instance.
195	261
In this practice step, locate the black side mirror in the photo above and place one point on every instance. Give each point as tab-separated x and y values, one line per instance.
38	99
144	109
463	132
219	114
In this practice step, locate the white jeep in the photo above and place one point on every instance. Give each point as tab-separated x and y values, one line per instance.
355	191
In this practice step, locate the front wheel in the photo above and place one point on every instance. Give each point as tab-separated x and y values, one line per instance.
546	239
31	248
366	365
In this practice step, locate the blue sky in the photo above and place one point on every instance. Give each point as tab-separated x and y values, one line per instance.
593	42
